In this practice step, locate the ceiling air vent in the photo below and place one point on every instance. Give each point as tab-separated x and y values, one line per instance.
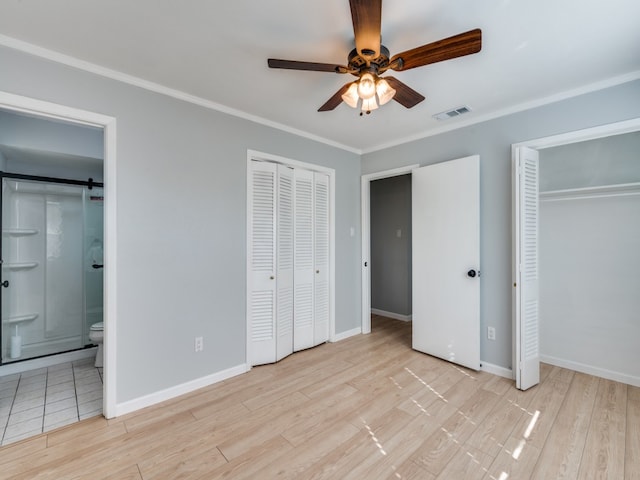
456	112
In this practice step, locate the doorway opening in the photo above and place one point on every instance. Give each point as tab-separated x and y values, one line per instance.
62	118
571	191
366	239
445	258
391	247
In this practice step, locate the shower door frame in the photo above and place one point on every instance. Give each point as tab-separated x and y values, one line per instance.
90	184
48	110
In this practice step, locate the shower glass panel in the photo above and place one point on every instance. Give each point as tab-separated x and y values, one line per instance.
44	251
93	258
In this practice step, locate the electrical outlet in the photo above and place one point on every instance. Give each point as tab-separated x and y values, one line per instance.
491	333
199	344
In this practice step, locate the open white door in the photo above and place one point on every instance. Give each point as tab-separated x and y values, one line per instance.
446	260
526	322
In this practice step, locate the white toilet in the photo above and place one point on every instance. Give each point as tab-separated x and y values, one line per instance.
96	335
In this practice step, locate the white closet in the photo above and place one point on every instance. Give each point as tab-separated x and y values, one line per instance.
288	308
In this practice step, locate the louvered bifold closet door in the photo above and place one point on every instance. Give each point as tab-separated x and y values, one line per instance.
321	258
262	266
527	310
303	261
284	276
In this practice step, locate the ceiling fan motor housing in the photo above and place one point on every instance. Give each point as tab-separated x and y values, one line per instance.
358	64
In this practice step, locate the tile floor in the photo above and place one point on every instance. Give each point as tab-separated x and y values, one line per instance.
41	400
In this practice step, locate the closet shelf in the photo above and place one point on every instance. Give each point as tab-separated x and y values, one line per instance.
19	232
20	318
617	190
20	265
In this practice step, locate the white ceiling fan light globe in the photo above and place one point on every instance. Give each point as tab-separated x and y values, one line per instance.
350	97
369	104
384	91
366	86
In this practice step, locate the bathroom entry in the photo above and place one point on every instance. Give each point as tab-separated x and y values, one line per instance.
52	264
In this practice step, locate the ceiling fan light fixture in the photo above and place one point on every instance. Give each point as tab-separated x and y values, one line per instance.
369	104
366	86
384	91
350	97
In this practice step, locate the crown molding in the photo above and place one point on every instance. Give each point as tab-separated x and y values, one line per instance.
592	87
74	62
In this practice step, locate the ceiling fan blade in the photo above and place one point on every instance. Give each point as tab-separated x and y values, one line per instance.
405	95
367	19
445	49
312	66
336	100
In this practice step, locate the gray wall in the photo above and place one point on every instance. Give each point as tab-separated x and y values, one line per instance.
390	254
604	161
589	303
492	141
46	147
181	219
50	135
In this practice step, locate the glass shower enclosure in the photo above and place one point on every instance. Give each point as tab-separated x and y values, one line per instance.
52	264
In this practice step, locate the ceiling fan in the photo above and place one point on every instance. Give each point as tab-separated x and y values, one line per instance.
370	59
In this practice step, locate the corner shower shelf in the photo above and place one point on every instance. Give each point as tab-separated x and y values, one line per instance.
20	265
19	232
20	318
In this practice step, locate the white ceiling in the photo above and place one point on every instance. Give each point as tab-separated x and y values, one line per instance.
217	50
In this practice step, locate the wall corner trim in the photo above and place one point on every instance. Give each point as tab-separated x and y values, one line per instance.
395	316
496	370
177	390
344	335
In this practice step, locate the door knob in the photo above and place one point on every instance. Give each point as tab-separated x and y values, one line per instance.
5	284
471	273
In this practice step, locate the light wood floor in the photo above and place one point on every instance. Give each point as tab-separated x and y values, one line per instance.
365	408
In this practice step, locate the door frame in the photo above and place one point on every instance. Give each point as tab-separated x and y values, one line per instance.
331	173
48	110
365	215
576	136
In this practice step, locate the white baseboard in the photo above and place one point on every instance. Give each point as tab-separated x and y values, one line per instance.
395	316
344	335
496	370
172	392
591	370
